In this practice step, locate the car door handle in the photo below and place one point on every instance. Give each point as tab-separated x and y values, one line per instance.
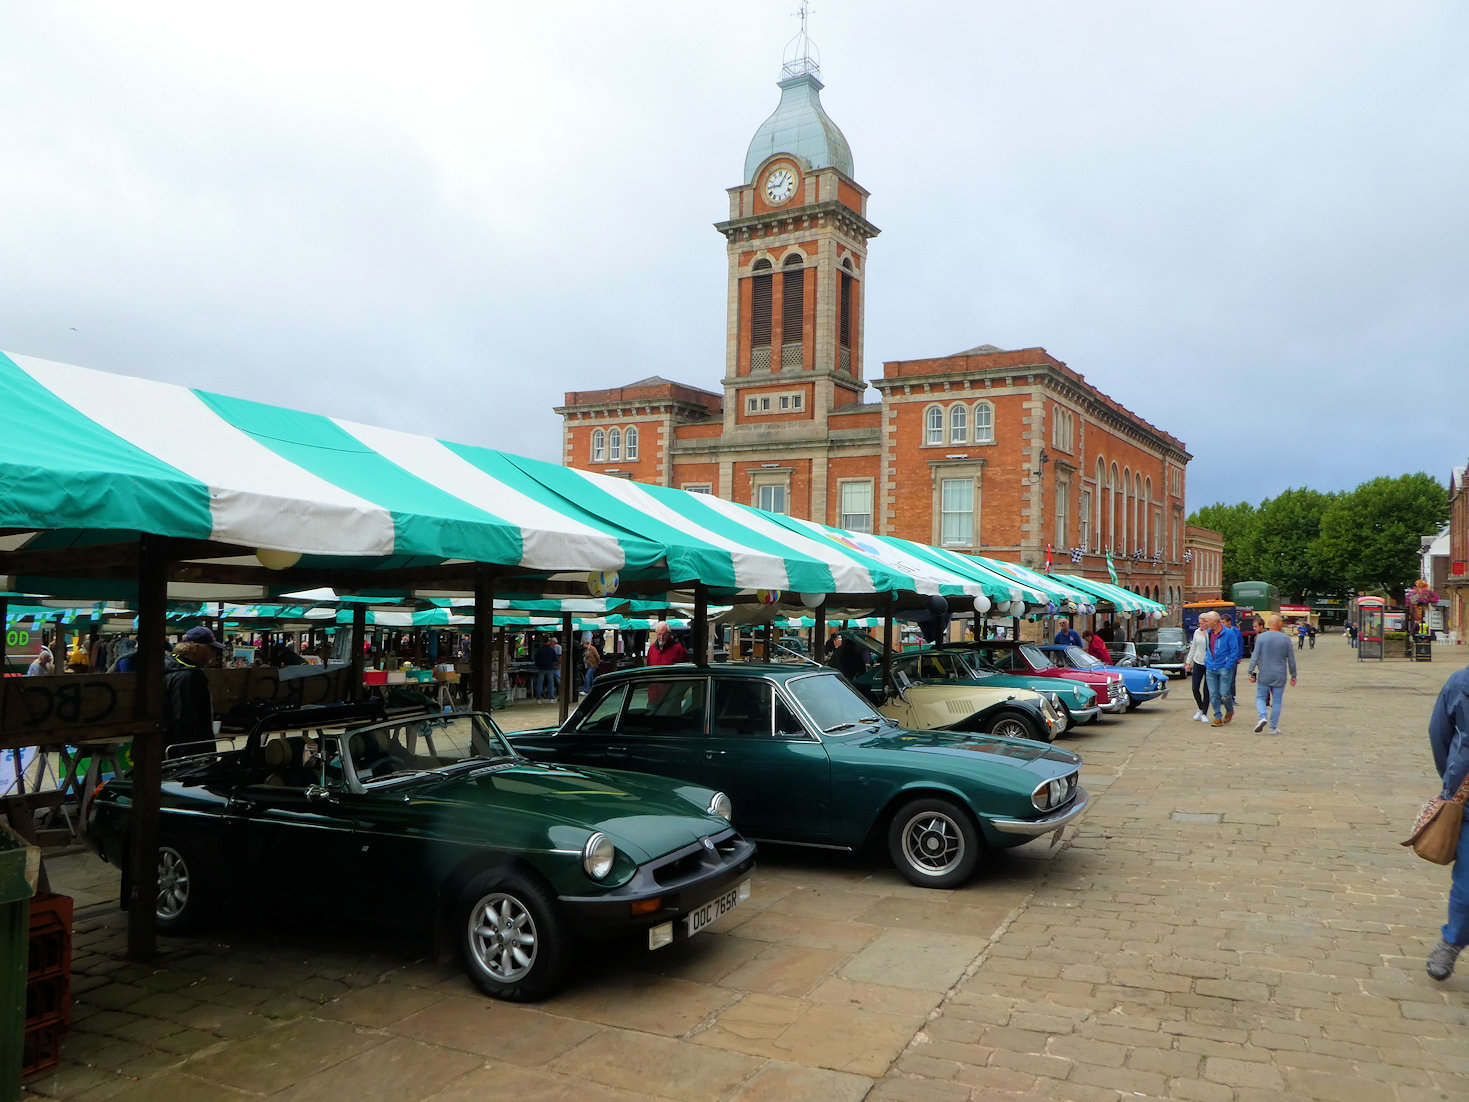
615	749
714	754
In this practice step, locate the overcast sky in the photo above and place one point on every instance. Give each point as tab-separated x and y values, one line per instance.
1244	221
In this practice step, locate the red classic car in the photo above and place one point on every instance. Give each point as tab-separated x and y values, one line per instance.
1015	656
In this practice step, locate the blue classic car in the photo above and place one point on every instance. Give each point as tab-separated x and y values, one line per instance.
1142	683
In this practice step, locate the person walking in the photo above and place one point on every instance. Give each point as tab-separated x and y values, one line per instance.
1239	639
1352	635
1269	665
1301	635
1193	665
1067	636
1311	634
591	658
1222	644
1448	734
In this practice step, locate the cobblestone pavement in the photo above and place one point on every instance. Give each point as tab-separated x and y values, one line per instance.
1232	921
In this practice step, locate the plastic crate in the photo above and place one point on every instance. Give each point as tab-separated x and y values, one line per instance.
41	1048
374	677
48	1001
50	952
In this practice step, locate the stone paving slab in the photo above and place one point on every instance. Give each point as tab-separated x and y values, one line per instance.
1232	921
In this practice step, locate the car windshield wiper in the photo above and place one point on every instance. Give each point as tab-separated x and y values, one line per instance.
836	728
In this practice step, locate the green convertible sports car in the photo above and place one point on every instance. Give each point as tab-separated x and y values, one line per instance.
434	821
809	761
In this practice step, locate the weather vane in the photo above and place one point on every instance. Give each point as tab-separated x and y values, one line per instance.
801	55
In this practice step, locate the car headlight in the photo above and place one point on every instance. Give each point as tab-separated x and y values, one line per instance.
1052	794
721	806
597	856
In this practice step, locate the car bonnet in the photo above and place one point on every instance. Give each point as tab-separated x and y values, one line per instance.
957	744
645	816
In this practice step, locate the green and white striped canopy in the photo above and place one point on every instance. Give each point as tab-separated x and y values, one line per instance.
1124	600
87	457
1051	587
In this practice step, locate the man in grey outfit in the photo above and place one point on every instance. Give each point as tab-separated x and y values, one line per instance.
1274	657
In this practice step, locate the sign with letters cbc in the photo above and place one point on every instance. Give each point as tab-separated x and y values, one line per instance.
73	708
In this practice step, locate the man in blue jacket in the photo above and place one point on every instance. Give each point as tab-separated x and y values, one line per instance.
1448	732
1222	650
1067	636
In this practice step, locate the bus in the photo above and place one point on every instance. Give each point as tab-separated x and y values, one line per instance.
1253	599
1195	609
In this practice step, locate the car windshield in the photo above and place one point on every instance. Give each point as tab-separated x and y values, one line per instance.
418	744
832	703
1080	660
1037	658
974	665
1172	636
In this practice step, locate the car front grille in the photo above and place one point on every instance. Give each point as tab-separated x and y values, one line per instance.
693	860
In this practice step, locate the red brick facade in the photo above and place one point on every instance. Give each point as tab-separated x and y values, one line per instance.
1456	586
998	452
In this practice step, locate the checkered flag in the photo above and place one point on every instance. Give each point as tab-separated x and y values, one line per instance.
1076	553
1188	556
1157	557
1139	554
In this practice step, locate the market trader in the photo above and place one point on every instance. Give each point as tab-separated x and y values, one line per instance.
1067	636
666	650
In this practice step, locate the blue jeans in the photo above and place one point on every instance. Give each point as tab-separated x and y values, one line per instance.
545	687
1277	697
1456	929
1219	683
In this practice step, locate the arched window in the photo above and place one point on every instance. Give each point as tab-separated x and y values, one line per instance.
614	446
1154	541
1112	534
844	315
1097	531
632	443
984	423
599	446
792	310
933	425
762	296
1140	512
1127	533
959	424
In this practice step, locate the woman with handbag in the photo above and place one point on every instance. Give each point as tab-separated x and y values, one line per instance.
1448	732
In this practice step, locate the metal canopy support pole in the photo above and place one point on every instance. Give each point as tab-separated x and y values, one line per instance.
480	682
4	633
887	646
359	639
818	641
563	699
701	624
148	704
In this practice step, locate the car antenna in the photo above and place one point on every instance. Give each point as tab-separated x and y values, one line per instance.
797	654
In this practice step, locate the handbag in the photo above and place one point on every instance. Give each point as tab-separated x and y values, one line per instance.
1435	835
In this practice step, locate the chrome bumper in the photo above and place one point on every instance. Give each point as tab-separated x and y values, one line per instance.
1046	823
1085	715
1119	702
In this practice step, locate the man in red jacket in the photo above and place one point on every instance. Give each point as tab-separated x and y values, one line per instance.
666	650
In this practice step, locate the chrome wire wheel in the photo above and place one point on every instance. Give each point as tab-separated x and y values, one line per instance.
502	937
173	883
933	843
1011	727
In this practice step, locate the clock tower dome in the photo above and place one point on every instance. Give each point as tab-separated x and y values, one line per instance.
796	239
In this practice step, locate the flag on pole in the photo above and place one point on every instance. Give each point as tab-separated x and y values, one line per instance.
1048	558
1112	570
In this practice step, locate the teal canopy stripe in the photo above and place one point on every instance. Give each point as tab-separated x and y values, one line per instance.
914	572
1124	599
59	468
704	541
1054	590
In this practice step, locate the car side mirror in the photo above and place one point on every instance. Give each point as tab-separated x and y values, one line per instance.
316	794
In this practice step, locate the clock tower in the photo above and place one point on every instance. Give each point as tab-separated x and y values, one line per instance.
796	239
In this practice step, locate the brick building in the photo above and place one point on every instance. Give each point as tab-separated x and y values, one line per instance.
1456	584
1204	574
992	451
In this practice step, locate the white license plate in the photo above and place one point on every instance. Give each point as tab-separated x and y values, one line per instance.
696	920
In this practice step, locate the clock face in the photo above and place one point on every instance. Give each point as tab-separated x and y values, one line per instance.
780	185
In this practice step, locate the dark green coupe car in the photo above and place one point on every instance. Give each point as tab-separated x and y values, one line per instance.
435	822
809	761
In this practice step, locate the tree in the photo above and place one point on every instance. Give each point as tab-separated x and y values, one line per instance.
1370	536
1237	524
1283	546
